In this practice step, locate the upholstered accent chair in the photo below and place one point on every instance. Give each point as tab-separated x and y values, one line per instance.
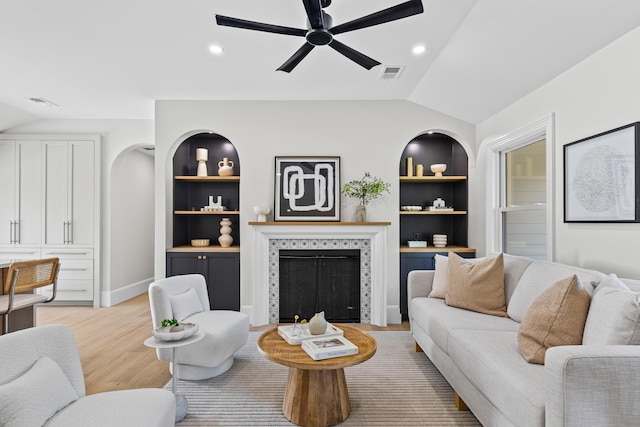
186	299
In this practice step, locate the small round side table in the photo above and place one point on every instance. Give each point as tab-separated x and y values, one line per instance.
181	402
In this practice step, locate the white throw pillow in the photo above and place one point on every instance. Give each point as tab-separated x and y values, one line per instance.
185	304
440	277
35	396
614	315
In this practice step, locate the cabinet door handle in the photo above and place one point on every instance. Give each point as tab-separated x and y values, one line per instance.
70	232
11	232
16	232
204	257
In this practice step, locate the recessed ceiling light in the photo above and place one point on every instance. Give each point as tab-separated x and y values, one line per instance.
419	49
215	49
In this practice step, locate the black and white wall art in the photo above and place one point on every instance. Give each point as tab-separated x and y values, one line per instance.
307	189
601	179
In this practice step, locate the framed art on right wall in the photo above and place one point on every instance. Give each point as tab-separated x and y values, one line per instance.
601	179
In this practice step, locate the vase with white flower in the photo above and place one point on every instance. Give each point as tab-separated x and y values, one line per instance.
365	190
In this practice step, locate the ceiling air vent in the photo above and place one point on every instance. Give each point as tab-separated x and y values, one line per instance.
43	101
391	72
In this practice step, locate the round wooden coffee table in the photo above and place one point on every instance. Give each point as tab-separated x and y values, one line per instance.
316	394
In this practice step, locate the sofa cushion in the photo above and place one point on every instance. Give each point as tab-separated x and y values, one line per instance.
539	276
477	286
185	304
440	277
439	319
145	407
514	267
614	316
35	396
491	361
556	317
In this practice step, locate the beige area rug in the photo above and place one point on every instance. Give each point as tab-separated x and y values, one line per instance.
397	387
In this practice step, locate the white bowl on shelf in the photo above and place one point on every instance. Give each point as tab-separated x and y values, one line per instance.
438	168
200	242
417	243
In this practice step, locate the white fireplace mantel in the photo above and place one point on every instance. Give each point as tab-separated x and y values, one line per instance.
375	232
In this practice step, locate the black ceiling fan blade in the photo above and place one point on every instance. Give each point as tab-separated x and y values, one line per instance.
314	13
296	58
403	10
354	55
227	21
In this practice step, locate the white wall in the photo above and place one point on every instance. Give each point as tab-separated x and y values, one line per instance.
132	216
367	135
597	95
117	136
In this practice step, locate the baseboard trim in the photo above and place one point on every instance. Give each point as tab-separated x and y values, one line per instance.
111	298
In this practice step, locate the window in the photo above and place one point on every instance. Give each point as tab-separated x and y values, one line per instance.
520	183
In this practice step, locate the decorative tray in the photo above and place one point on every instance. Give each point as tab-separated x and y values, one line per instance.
175	333
302	333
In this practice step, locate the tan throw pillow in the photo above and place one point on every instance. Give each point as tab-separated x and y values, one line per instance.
556	317
477	287
440	277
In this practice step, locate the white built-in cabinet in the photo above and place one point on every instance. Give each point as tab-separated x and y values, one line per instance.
53	207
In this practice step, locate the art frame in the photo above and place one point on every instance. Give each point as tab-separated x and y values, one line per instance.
601	180
307	188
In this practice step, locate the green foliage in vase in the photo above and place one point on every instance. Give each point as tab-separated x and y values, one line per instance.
168	322
366	189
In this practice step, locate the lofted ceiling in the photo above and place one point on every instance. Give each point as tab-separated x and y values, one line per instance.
112	59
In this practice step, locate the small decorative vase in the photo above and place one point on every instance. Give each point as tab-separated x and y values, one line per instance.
361	213
202	155
225	238
225	167
318	324
262	212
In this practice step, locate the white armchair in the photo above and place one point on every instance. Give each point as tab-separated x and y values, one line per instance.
41	383
185	298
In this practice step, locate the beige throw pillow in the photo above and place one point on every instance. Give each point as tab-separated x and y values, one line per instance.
478	286
556	317
440	277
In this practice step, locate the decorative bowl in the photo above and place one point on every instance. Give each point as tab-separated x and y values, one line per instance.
417	243
175	333
438	168
200	242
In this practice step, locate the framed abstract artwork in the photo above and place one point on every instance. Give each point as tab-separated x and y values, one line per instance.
307	189
601	179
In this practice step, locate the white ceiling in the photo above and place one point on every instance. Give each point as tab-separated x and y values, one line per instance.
112	59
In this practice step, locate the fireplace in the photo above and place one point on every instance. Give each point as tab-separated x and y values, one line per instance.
311	281
369	240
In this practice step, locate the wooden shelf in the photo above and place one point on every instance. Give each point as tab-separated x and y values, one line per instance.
450	178
206	212
450	248
210	248
233	178
433	212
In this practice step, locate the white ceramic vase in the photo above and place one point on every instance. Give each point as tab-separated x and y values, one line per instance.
318	324
225	238
225	167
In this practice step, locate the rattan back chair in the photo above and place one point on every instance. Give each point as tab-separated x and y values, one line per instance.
23	278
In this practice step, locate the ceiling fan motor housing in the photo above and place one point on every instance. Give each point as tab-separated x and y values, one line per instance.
319	37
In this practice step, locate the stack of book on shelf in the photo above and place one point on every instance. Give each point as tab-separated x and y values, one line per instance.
329	347
295	334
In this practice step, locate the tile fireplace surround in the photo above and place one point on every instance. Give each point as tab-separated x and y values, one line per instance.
369	237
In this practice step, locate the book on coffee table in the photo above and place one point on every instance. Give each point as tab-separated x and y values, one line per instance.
329	347
302	333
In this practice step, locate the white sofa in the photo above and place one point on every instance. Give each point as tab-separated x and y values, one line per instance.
478	354
41	383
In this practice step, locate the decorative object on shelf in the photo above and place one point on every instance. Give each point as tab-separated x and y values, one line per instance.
439	240
419	170
600	177
417	243
438	203
213	206
202	155
307	189
318	324
225	238
225	167
365	189
411	208
438	168
409	166
200	242
262	212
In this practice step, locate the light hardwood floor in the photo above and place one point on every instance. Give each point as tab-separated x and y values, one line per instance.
110	343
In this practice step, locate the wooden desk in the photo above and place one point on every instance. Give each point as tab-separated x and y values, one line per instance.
316	394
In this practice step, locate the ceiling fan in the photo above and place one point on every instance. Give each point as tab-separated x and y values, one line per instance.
321	31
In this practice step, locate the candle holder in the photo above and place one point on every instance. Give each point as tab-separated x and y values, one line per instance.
202	155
